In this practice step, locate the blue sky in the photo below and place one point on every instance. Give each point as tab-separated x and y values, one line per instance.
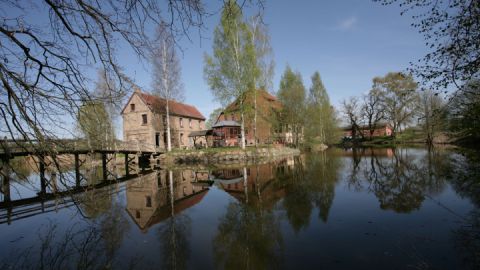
349	42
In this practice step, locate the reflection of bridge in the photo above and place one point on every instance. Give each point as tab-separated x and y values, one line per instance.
13	210
44	156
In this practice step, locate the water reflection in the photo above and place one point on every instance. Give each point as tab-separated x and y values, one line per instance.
254	216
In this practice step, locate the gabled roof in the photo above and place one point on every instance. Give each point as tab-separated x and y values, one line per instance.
263	98
158	105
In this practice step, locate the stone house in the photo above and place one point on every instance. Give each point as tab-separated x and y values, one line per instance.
144	121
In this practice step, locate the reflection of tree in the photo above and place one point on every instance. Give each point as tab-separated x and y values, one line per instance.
298	198
85	245
174	234
322	175
248	238
401	182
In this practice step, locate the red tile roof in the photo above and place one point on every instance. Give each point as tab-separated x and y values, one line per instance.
158	105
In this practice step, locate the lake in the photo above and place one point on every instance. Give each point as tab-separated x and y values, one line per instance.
404	208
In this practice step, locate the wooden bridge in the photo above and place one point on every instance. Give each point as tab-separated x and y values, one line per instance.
134	154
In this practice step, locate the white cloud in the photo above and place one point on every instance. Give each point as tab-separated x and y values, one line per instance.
347	23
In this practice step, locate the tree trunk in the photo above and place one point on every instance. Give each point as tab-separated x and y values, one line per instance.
169	142
255	120
242	130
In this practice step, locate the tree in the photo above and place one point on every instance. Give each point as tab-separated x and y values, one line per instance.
372	109
399	98
104	93
320	114
231	70
95	124
464	112
44	69
212	118
167	82
432	114
292	96
351	109
451	29
263	72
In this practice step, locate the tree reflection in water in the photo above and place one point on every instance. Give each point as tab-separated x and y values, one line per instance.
175	232
248	235
400	178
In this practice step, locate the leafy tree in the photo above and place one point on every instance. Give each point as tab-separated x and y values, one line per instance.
231	70
399	98
451	29
167	82
212	118
321	123
292	96
95	124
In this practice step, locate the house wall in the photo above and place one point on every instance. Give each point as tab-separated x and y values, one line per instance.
135	130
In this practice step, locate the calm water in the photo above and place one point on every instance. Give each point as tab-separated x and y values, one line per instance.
371	209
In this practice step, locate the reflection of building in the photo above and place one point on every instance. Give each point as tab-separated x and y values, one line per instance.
148	197
380	130
144	121
259	185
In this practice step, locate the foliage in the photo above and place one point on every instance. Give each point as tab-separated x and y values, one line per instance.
320	117
451	29
432	114
95	124
231	70
292	96
464	112
212	118
399	98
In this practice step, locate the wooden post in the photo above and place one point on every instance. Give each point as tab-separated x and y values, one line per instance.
126	165
104	166
77	170
6	180
43	180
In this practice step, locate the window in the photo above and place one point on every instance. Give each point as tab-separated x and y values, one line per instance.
144	119
181	122
132	107
148	201
181	138
164	118
137	214
190	123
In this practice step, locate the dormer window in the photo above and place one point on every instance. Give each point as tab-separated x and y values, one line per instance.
132	107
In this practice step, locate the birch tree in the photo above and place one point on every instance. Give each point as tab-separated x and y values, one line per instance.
167	82
229	70
263	71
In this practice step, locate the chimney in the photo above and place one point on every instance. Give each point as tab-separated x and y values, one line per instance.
137	90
